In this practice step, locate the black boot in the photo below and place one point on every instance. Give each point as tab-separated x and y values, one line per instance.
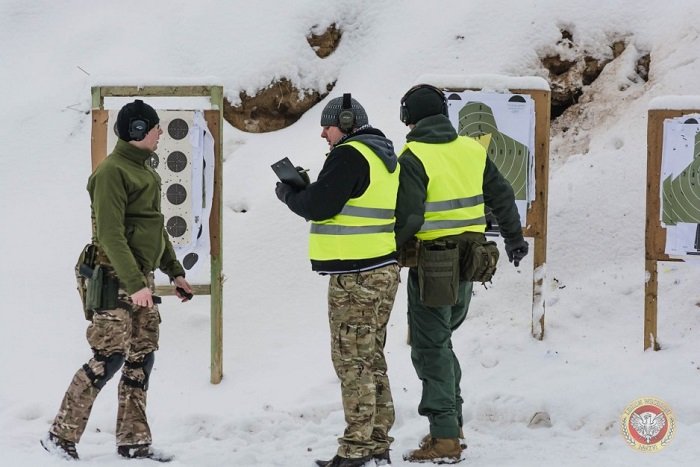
382	458
142	451
57	445
338	461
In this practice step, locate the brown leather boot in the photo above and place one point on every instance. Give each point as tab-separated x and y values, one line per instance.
437	450
426	438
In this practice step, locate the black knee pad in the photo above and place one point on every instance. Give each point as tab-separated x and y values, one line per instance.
111	364
148	362
147	365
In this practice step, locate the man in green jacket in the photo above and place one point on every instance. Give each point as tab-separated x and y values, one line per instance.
130	241
446	181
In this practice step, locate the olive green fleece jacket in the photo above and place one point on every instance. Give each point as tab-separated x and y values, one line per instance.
413	184
128	224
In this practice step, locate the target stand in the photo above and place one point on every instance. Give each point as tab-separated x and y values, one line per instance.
477	119
189	163
674	201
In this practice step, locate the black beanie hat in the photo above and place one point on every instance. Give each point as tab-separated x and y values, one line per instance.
421	102
135	120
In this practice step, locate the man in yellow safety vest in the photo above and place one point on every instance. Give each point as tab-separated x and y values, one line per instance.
351	209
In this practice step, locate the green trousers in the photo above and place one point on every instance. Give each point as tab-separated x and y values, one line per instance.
430	334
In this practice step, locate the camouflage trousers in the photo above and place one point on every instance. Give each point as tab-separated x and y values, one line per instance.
125	338
359	305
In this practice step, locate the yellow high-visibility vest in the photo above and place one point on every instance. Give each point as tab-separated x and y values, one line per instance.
455	193
364	228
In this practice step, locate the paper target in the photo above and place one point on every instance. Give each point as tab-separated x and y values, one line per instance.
681	194
504	124
476	119
680	185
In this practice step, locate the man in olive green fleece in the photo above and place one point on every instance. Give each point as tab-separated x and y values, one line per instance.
131	241
445	183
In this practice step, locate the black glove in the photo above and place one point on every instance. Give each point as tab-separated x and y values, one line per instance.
304	174
282	190
516	251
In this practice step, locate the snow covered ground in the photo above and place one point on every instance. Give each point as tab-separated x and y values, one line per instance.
279	402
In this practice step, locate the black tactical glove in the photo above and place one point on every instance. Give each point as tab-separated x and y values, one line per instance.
516	251
282	190
304	174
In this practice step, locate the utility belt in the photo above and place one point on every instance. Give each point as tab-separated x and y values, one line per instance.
98	284
442	263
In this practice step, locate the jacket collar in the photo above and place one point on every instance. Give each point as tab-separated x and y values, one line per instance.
131	152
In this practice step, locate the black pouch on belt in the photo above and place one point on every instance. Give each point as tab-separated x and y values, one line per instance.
438	273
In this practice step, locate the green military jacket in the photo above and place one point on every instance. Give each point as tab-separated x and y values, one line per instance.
413	183
128	225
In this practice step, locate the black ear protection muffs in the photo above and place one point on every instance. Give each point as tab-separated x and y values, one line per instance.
346	118
138	126
405	115
137	129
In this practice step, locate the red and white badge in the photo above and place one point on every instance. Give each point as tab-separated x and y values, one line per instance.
648	424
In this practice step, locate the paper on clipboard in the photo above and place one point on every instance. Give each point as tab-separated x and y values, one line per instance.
287	173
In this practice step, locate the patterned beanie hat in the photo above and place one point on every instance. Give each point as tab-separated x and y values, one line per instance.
331	113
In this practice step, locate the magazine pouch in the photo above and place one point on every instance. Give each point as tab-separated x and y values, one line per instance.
479	260
438	272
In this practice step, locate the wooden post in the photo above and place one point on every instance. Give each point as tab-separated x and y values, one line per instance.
537	211
655	234
651	286
98	143
214	119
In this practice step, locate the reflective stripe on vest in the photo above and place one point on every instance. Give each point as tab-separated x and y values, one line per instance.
455	199
364	228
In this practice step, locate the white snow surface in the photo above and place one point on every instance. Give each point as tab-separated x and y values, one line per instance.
279	402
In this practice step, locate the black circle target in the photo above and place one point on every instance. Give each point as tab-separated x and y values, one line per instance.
178	128
176	226
177	161
190	260
176	193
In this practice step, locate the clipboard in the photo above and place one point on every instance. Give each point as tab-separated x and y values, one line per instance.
287	173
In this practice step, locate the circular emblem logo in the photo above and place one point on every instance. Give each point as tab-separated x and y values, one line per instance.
648	424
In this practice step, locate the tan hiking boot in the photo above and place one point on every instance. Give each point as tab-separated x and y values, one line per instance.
428	437
437	450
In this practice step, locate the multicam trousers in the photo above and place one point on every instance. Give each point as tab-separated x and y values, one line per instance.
127	335
359	305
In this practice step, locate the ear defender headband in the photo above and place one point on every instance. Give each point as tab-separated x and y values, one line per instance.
404	114
346	118
138	126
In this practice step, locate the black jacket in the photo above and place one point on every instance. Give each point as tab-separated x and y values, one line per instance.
345	175
410	205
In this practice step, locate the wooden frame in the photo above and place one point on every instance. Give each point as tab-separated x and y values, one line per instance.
537	211
214	119
655	234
